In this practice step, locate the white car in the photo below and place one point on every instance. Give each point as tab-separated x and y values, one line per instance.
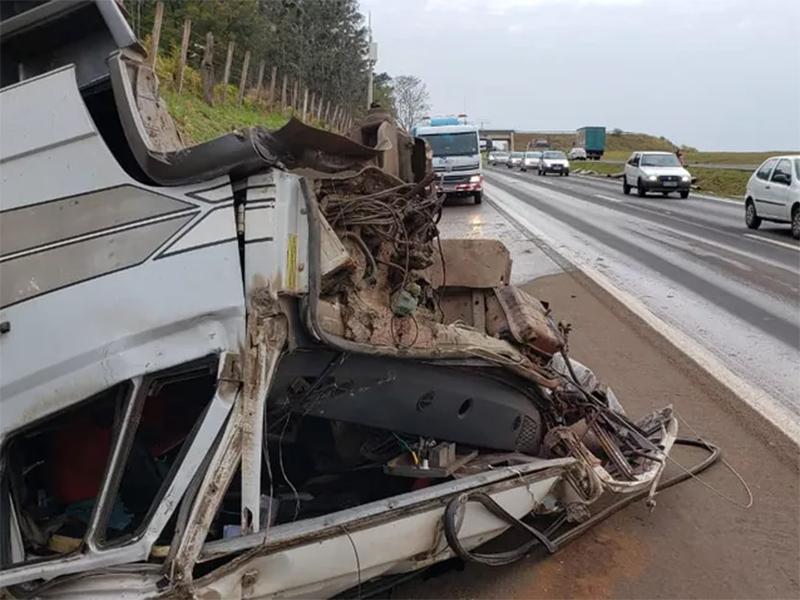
577	154
773	194
498	158
530	160
655	172
554	161
515	160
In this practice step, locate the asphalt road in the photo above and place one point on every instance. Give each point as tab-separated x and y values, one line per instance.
691	262
695	544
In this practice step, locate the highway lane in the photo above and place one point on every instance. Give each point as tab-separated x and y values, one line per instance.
691	262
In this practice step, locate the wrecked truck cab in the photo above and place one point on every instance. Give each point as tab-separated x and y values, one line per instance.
224	363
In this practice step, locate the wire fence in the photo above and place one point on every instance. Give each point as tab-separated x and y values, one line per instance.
219	72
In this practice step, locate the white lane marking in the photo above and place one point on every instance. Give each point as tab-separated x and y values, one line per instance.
609	198
715	199
605	181
761	238
758	399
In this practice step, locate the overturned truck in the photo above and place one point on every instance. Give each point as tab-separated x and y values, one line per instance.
250	368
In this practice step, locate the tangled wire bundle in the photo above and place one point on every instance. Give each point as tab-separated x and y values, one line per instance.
401	216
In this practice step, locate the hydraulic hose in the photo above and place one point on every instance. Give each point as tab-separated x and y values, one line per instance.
507	557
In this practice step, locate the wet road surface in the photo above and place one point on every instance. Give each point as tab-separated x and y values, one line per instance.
695	544
691	262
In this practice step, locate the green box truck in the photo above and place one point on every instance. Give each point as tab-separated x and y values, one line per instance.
593	140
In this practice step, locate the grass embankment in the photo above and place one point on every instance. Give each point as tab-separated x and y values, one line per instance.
624	143
719	182
620	146
197	121
707	158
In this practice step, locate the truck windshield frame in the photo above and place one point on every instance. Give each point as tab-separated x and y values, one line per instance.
453	144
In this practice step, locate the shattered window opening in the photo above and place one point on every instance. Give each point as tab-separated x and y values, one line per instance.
63	463
55	471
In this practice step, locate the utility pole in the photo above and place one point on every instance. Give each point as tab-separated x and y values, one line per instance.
373	58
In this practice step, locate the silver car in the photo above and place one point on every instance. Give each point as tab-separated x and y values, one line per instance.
515	160
498	158
554	161
530	160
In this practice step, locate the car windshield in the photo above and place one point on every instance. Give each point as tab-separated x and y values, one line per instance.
533	154
555	155
660	160
453	144
501	154
516	155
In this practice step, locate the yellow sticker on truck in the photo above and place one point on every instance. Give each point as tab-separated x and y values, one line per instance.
291	262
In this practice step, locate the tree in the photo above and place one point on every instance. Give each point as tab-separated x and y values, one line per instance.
383	90
320	43
411	100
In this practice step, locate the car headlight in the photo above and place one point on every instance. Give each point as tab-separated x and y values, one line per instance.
475	179
684	178
652	178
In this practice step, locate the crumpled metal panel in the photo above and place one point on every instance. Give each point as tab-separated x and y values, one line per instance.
528	321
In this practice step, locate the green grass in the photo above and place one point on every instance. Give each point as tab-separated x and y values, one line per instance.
198	122
710	158
719	182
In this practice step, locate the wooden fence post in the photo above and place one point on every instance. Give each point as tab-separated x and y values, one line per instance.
243	78
283	93
259	80
272	85
156	32
227	76
207	69
187	30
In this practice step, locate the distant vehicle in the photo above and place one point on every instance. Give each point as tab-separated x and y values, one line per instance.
515	160
541	144
498	158
655	172
530	160
456	155
773	194
593	140
554	161
577	154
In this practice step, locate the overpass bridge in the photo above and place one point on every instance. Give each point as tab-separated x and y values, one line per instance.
518	139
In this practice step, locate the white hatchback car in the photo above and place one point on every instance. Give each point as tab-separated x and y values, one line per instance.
773	194
577	154
655	172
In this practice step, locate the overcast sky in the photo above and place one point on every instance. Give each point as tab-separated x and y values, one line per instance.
714	74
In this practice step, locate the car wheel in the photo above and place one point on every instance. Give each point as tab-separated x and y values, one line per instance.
751	218
796	222
665	194
626	189
685	194
478	197
566	173
640	191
